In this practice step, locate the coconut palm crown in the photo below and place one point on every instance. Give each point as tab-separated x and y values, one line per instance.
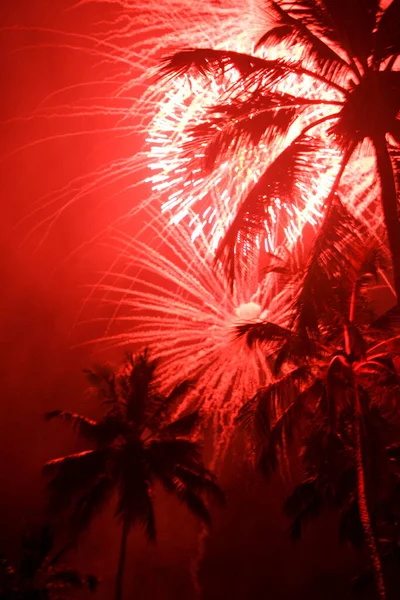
351	48
134	445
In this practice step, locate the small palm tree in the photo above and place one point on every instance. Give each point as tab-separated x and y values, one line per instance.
134	444
39	576
349	46
333	370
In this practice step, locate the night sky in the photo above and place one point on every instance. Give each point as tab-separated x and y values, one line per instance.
45	280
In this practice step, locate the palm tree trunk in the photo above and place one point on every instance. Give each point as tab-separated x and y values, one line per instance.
389	204
121	561
363	504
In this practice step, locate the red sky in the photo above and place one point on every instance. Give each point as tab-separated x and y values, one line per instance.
43	281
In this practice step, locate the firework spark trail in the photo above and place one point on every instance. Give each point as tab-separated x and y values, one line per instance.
129	45
170	297
173	300
215	197
185	186
126	47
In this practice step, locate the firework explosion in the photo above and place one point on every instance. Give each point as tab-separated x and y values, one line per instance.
119	102
175	301
118	99
215	197
210	201
188	317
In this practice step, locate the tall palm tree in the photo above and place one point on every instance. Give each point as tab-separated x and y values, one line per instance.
332	368
134	444
349	46
39	575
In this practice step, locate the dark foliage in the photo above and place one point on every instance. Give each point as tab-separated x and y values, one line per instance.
40	574
136	443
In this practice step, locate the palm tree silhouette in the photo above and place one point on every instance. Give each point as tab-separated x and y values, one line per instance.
351	48
333	370
39	576
134	445
330	480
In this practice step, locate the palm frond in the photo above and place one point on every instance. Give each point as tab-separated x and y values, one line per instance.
102	379
159	407
339	389
71	475
304	504
194	503
354	123
387	37
387	323
332	268
177	465
166	454
286	264
275	411
284	345
137	507
209	62
297	349
179	391
91	503
347	24
200	481
182	427
260	410
379	375
163	405
280	180
137	383
261	332
358	343
294	32
375	261
327	459
242	122
71	578
85	427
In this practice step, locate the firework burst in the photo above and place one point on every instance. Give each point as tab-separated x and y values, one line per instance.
192	321
173	300
184	182
119	103
178	176
117	100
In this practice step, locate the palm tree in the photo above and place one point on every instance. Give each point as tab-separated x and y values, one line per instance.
351	47
333	370
134	444
329	480
39	575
